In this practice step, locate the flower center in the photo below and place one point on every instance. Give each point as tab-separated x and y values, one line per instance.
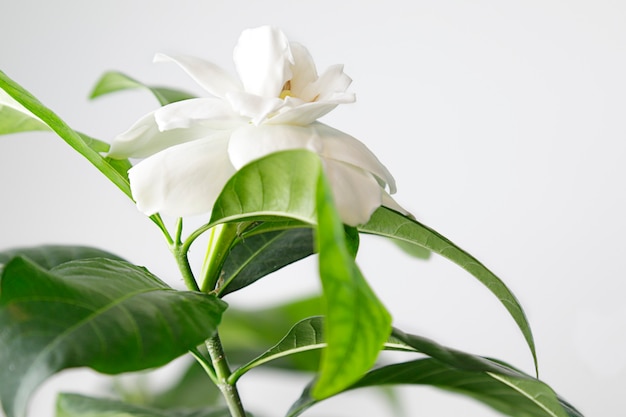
286	90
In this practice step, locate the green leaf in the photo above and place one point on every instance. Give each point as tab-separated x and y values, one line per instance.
357	324
113	81
49	256
525	397
15	119
108	315
74	405
70	136
261	254
494	383
268	247
247	338
306	335
388	223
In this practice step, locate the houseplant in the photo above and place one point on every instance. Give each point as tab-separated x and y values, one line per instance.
275	186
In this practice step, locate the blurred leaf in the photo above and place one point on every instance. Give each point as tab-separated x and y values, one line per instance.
70	136
74	405
108	315
113	81
413	250
192	389
357	324
14	118
388	223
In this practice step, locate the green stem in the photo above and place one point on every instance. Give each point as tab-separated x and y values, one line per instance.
180	254
222	371
222	237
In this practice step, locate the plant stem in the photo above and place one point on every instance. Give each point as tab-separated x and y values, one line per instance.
222	371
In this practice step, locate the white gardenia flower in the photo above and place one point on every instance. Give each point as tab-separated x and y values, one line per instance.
192	147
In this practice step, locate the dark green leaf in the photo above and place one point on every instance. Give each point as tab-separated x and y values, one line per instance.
261	254
70	136
49	256
113	81
492	382
388	223
357	324
519	397
74	405
108	315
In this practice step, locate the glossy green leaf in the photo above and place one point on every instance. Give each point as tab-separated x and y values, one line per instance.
70	136
291	184
388	223
74	405
105	314
114	81
49	256
261	254
357	324
279	185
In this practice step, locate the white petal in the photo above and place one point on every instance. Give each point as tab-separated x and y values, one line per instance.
332	81
144	138
307	113
214	113
356	192
263	60
342	147
211	77
249	143
255	107
389	202
182	180
303	70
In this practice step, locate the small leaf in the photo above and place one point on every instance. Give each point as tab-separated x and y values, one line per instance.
108	315
74	405
247	338
304	336
114	81
357	324
388	223
70	136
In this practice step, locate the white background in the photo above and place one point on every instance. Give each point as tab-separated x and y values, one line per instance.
502	122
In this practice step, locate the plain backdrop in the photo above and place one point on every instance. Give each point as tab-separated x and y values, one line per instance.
503	123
